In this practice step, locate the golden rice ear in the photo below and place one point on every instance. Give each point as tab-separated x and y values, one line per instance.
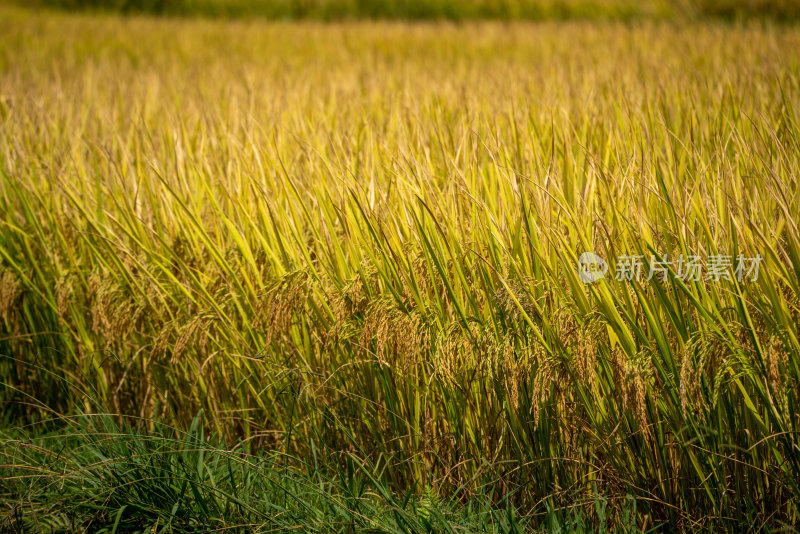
164	340
99	299
778	372
194	334
639	375
692	363
10	293
276	310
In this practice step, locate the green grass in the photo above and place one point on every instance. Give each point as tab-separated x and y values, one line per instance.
94	475
360	240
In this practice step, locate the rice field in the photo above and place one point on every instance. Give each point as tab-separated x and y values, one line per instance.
267	276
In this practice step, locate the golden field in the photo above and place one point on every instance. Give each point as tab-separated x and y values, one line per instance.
362	238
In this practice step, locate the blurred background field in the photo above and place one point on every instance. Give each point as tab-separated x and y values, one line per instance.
779	10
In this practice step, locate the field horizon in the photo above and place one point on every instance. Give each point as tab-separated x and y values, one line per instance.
683	11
